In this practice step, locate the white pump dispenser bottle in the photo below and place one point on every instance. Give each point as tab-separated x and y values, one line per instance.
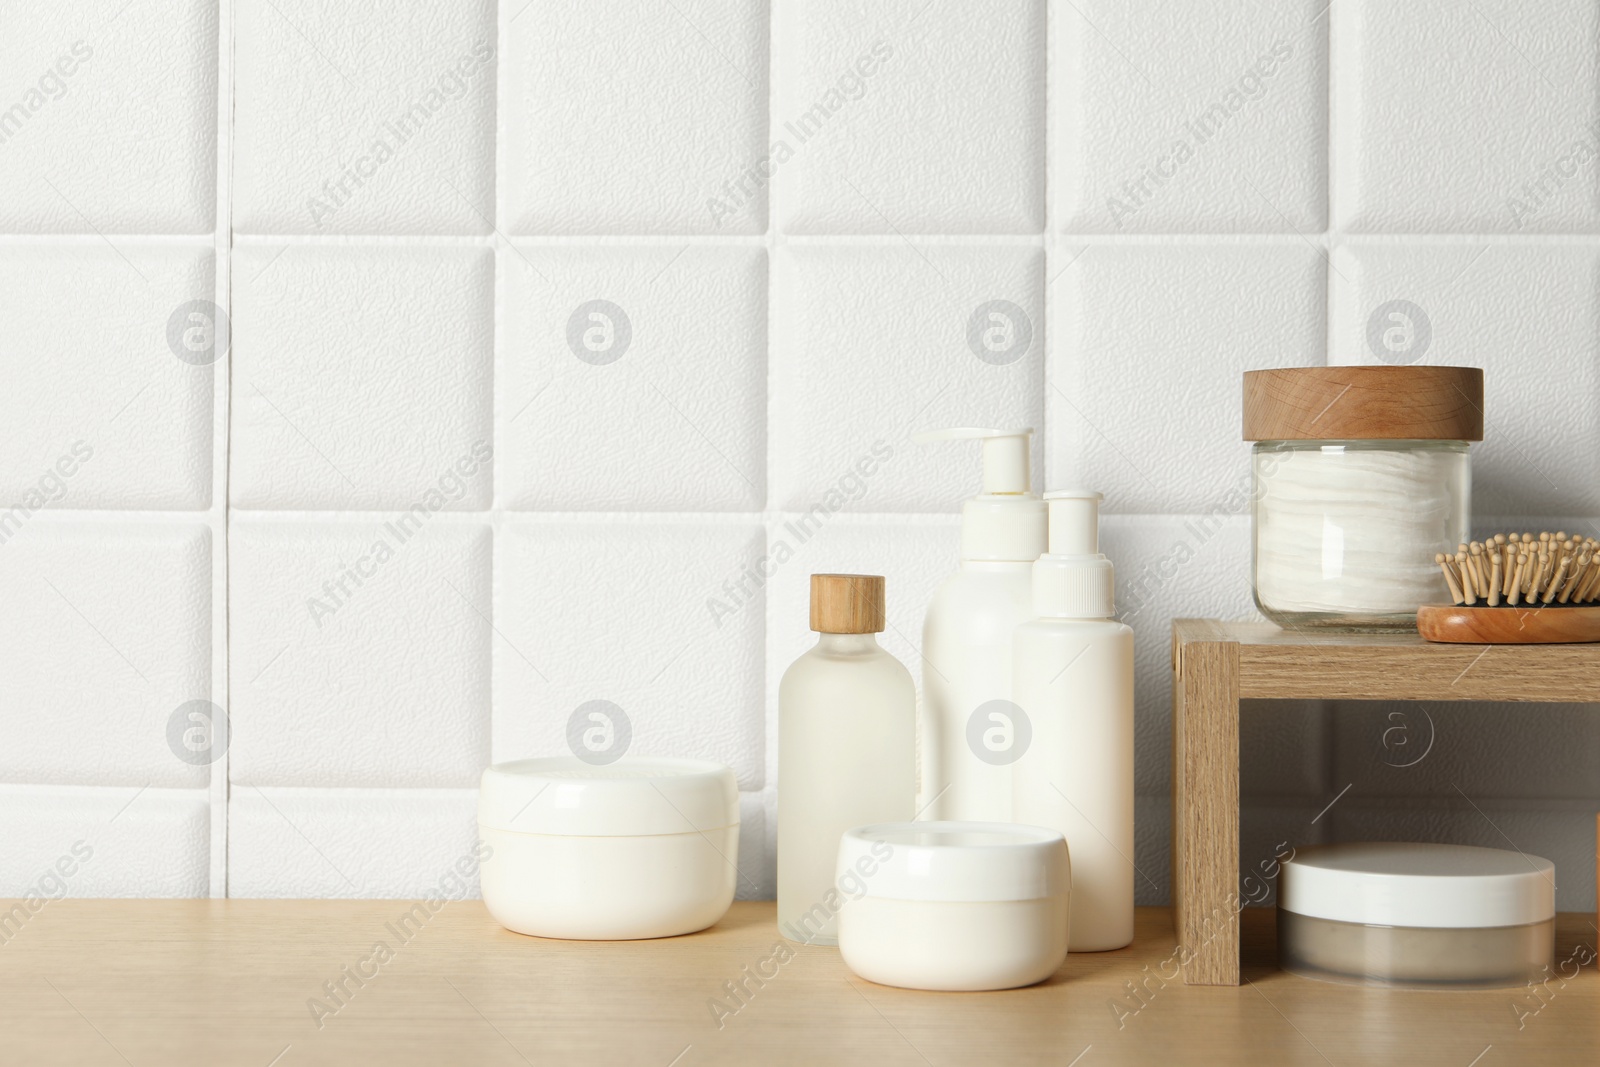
1073	677
969	736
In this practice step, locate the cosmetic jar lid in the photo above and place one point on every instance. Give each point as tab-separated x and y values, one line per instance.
633	797
1416	403
954	861
1392	883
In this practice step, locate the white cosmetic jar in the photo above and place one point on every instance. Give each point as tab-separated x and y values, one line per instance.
1417	916
953	905
632	849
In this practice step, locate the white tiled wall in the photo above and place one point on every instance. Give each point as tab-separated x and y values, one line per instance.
692	273
113	447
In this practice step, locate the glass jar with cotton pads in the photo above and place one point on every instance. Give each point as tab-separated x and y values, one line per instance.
632	849
1417	916
953	905
1359	475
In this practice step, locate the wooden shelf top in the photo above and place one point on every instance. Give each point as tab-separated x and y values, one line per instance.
178	982
1305	665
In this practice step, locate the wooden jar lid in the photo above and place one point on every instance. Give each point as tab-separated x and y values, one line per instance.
847	603
1364	403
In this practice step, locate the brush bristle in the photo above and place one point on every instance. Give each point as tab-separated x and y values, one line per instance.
1513	569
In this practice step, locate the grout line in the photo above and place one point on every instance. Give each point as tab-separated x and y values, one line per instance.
499	434
1034	239
222	768
1329	150
89	240
1039	238
775	327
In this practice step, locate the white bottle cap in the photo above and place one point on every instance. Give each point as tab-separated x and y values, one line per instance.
1397	884
1005	522
1073	580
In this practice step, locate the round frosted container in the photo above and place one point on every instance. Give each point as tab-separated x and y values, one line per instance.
953	905
1417	916
1359	475
633	849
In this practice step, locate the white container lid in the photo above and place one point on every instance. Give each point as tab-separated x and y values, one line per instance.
633	797
957	861
1392	883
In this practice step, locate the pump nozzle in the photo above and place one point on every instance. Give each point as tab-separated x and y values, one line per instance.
1073	580
1005	455
1074	522
1005	522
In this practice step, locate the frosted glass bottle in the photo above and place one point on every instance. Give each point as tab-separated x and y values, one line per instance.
846	749
969	735
1073	677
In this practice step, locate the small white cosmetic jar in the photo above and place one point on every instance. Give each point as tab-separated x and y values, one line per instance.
953	905
1417	916
632	849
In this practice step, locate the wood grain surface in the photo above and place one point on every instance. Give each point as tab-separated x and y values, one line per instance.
1304	665
847	603
174	983
1364	404
1205	809
1508	625
1217	664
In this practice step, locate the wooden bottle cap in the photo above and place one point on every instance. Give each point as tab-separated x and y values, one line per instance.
1364	404
847	603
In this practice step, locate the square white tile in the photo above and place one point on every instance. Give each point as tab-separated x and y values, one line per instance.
1527	315
1174	567
633	379
872	343
410	844
110	353
1503	751
364	117
108	123
622	119
127	841
106	638
359	651
1466	118
758	874
1147	362
1191	118
646	618
908	117
1283	748
1152	859
363	377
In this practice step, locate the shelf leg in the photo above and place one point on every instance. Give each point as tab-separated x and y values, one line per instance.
1205	810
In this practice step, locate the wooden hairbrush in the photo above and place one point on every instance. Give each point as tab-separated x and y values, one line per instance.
1518	589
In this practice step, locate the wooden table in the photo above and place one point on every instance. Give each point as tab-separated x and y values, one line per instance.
1217	664
170	983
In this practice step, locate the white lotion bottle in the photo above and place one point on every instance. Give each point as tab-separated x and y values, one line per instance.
847	715
968	736
1073	677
